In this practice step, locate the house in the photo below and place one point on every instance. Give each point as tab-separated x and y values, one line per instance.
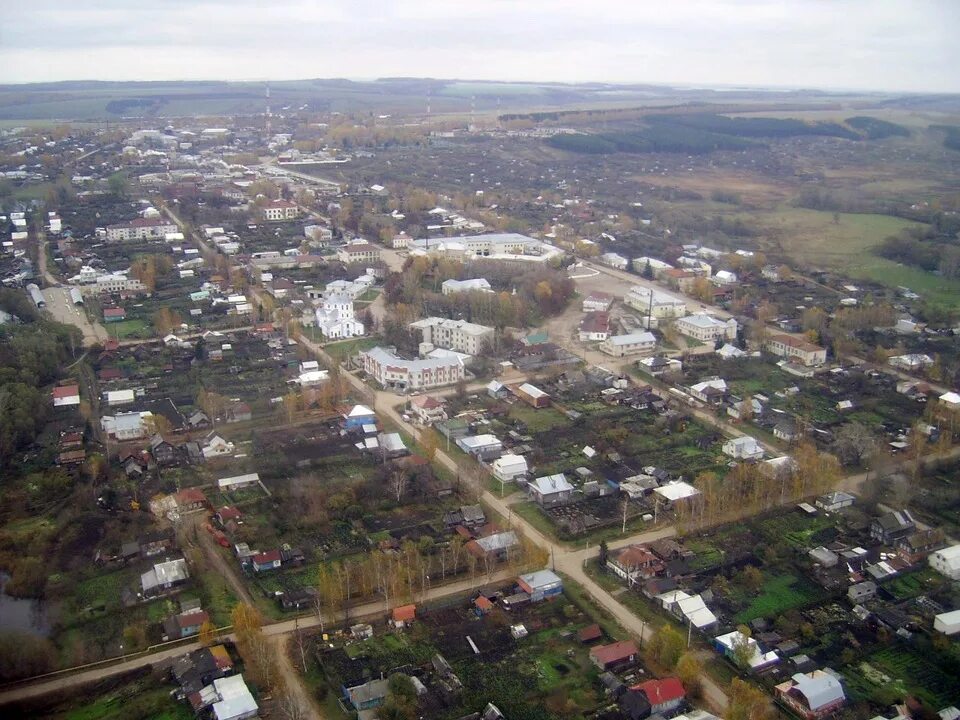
452	287
114	314
634	563
198	420
730	352
615	655
612	259
833	501
482	447
227	514
786	430
368	696
597	302
950	400
758	660
497	390
824	556
238	412
946	561
164	454
710	391
916	546
794	348
541	585
632	344
264	561
231	699
279	210
706	328
550	490
743	448
508	468
403	615
164	576
185	624
531	394
428	409
693	610
238	482
633	704
358	251
589	634
393	372
595	326
493	547
200	668
358	416
66	396
457	335
861	592
664	695
911	362
892	526
660	365
812	695
947	623
125	426
215	446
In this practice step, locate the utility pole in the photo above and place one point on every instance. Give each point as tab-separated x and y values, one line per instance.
689	633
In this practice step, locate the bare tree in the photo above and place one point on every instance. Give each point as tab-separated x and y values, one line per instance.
398	483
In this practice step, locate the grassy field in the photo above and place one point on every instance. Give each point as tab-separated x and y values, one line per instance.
536	420
342	350
128	328
779	593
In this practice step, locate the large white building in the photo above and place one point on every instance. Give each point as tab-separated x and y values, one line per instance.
113	283
706	328
140	229
459	335
946	561
392	371
498	246
632	344
663	305
336	318
452	287
278	210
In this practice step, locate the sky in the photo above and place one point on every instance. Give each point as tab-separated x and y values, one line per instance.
900	45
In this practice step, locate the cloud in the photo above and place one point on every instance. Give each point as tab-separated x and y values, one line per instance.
871	44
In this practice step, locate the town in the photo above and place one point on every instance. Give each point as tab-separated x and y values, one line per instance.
325	415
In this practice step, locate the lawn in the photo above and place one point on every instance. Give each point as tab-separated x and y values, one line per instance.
128	328
346	348
779	594
536	421
141	699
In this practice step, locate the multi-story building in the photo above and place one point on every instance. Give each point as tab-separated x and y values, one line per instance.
452	287
140	229
458	335
278	210
657	304
502	246
358	251
632	344
392	371
706	328
793	348
113	283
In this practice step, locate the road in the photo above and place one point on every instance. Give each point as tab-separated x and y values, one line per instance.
61	307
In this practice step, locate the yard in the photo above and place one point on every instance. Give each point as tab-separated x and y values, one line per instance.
779	594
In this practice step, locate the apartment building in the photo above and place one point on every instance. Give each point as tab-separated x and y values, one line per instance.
458	335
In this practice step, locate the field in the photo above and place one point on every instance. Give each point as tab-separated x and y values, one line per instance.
779	593
895	669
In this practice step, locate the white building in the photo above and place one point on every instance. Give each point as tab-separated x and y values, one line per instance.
948	623
400	241
618	262
392	371
951	400
656	266
706	328
278	210
451	287
336	318
632	344
497	246
913	361
793	348
140	229
458	335
358	251
946	561
743	448
507	468
659	305
126	426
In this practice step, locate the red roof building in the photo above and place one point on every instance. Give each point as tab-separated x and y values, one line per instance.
404	614
663	695
615	654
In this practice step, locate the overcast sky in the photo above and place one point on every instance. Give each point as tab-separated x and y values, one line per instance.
906	45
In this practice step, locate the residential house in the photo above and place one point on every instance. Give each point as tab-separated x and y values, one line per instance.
633	704
812	695
711	391
531	394
918	545
215	446
950	400
616	655
743	448
550	490
634	563
482	447
946	561
947	623
509	467
164	576
164	453
833	501
265	561
238	412
404	615
541	585
358	416
230	699
200	668
861	592
125	426
428	409
664	695
706	328
493	547
758	660
660	365
368	696
911	362
786	430
595	326
632	344
185	624
892	526
238	482
66	396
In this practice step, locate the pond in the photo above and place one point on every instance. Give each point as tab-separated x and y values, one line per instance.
22	614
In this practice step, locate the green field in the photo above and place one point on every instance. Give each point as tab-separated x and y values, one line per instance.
779	594
128	328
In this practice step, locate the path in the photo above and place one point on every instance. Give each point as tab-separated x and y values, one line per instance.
296	691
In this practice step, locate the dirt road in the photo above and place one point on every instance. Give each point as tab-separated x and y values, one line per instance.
61	307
